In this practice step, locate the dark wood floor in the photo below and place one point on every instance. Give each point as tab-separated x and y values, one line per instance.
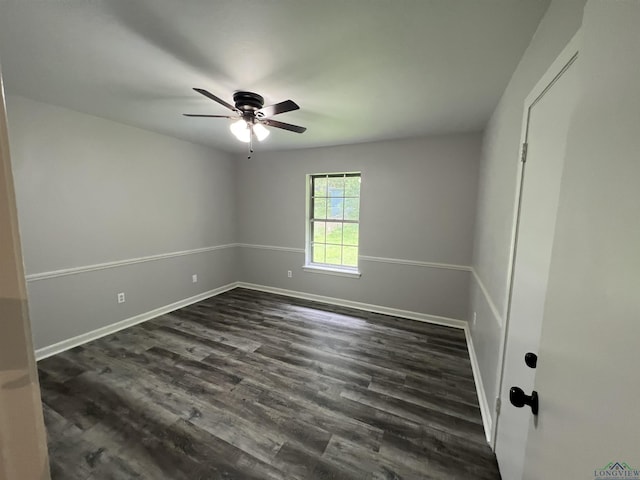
250	385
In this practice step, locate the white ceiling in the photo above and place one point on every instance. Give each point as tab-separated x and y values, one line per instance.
361	70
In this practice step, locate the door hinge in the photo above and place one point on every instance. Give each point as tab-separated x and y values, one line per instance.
498	404
523	158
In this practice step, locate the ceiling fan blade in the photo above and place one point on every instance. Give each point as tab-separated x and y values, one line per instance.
210	95
208	116
284	126
282	107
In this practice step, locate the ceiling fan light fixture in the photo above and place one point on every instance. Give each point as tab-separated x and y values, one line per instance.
241	130
260	131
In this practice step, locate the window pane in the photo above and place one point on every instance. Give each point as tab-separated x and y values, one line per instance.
336	186
336	206
320	208
350	256
350	232
352	187
319	186
318	253
334	255
319	229
351	208
334	232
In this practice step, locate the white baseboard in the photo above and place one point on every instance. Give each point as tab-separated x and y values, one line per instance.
395	312
59	347
485	410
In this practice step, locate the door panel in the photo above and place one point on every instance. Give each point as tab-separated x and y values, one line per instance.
546	132
589	423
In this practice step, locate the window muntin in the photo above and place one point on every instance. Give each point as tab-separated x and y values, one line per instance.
334	220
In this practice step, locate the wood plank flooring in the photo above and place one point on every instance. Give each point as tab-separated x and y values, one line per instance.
250	385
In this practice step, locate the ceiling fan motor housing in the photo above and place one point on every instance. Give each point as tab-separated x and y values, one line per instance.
248	101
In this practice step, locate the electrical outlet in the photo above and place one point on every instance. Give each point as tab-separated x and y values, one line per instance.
194	278
474	318
121	297
289	274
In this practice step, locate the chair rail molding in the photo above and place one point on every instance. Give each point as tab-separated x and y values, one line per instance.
34	277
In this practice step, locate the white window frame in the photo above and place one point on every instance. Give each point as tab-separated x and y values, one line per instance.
309	265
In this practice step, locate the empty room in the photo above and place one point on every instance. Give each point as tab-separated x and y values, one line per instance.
348	239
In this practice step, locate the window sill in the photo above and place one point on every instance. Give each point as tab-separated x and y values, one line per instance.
332	271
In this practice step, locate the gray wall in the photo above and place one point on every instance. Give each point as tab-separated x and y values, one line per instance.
91	191
497	188
417	203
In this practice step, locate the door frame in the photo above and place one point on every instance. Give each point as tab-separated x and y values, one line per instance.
564	60
23	438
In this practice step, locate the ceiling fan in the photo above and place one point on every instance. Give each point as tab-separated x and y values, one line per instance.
251	115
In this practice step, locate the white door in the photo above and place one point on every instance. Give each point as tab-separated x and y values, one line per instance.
589	422
548	111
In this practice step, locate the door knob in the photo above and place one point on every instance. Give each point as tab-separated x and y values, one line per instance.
519	399
531	359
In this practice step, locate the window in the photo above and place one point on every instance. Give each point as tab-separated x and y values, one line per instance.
333	226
